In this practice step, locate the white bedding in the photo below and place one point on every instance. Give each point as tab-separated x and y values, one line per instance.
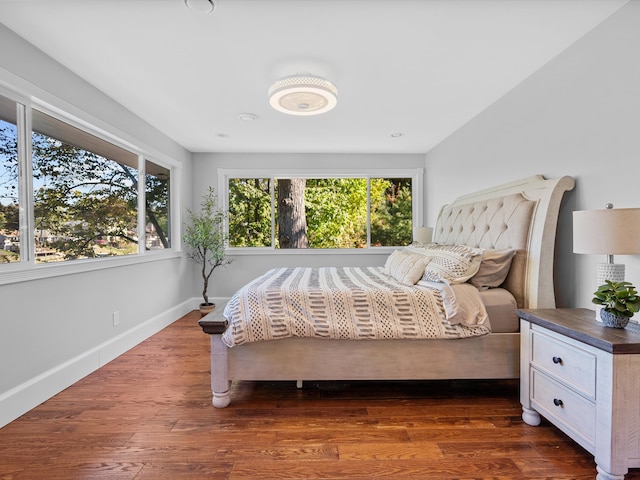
351	303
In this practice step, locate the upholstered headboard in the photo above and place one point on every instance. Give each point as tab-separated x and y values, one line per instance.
520	215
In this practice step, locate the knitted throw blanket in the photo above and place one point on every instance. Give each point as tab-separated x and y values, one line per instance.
339	303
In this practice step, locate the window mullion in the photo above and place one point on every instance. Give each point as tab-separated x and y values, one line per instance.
272	192
368	212
25	185
142	219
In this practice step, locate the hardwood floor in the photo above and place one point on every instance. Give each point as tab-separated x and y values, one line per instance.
148	415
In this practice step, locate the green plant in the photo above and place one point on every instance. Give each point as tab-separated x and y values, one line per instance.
206	239
618	298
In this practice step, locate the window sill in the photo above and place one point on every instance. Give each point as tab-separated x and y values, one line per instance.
26	272
311	251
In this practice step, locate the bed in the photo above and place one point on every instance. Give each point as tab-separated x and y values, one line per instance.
519	216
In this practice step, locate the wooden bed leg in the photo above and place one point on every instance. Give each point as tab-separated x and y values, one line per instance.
221	400
220	383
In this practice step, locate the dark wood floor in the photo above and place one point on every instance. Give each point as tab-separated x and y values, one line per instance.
147	415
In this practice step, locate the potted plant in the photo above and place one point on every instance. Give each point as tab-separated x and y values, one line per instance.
206	239
619	301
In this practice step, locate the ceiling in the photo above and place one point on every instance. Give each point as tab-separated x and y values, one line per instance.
422	68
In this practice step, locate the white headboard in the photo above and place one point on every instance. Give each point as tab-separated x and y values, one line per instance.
520	215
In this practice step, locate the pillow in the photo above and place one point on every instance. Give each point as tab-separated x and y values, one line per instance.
462	303
451	264
406	267
493	269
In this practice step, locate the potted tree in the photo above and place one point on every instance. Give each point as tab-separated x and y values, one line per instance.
619	301
206	239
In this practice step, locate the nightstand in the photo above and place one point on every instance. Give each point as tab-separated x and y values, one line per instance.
585	379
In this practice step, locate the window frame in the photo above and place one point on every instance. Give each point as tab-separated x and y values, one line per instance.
27	269
417	192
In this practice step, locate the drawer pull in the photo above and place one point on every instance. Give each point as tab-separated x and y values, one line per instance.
557	402
557	360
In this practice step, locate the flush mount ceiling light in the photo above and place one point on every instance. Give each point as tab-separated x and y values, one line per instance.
303	94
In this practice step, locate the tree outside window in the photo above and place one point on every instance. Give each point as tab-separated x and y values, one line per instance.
320	213
157	206
85	193
9	187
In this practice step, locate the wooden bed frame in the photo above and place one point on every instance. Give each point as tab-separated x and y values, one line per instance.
491	218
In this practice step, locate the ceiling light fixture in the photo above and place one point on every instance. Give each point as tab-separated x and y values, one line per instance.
200	6
247	117
303	94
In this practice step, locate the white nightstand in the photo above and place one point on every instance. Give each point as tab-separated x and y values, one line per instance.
584	378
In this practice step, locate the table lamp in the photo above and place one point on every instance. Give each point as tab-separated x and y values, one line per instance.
610	231
423	235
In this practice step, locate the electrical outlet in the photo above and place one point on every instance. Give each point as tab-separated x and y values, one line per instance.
116	318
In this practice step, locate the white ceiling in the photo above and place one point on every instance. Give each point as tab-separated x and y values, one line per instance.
420	67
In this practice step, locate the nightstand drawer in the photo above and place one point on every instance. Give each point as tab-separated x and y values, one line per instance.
572	365
563	407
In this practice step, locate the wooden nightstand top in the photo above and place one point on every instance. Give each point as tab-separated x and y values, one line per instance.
581	325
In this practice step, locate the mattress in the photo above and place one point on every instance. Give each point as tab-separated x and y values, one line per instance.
501	309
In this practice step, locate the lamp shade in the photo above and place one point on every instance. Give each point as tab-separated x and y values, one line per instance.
423	234
611	231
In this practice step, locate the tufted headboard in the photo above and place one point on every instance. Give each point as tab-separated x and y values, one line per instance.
520	215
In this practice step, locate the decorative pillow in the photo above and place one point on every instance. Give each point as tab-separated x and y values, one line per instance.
462	303
450	264
493	269
406	267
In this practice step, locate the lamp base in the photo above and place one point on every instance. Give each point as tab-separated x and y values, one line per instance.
608	271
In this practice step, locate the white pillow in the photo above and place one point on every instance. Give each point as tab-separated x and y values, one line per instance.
451	264
462	303
406	267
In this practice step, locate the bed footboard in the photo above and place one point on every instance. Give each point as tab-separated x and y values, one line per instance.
297	359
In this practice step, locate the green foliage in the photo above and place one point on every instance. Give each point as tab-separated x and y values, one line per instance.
336	211
206	238
157	206
9	217
85	205
618	298
249	212
9	159
8	257
391	212
85	199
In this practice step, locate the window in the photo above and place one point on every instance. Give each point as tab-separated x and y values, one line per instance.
157	207
9	186
319	211
69	194
85	193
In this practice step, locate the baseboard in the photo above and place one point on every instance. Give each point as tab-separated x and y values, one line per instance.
24	397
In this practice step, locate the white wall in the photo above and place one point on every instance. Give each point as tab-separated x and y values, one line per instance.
246	267
53	331
579	115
